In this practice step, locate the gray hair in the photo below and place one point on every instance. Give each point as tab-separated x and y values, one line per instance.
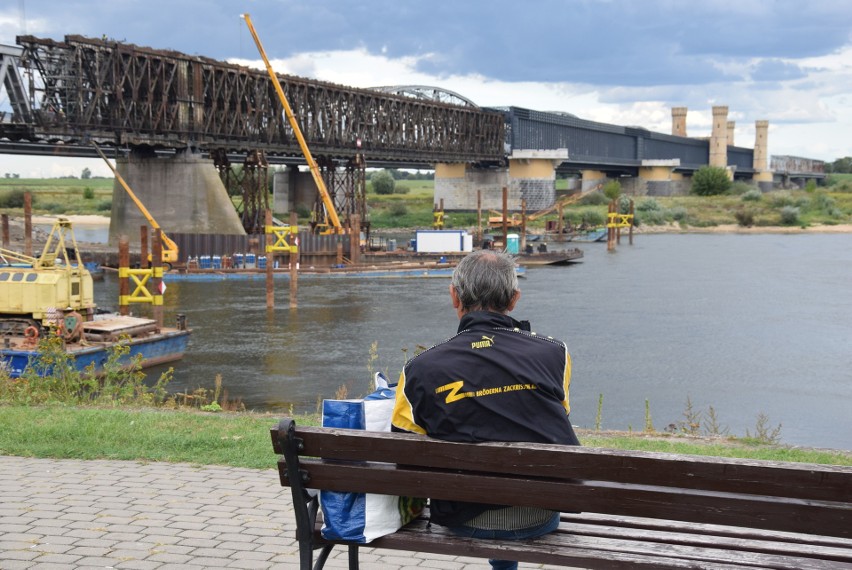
485	280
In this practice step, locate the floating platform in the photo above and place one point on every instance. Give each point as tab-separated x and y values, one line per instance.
154	345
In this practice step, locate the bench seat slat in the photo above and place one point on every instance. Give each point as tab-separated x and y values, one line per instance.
833	519
804	481
744	533
567	548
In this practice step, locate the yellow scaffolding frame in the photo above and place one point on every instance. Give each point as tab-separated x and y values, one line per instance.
140	278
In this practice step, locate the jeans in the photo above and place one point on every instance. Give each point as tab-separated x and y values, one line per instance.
519	534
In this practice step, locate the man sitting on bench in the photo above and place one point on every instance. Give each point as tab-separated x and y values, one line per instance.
494	381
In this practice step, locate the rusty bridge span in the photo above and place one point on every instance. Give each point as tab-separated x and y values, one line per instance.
143	101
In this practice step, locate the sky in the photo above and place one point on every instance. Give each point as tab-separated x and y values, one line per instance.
626	62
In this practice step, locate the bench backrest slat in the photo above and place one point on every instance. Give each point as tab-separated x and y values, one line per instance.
801	481
689	505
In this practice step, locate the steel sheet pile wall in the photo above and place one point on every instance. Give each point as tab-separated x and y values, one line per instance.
120	93
316	250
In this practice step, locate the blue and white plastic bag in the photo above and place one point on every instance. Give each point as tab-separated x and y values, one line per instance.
362	517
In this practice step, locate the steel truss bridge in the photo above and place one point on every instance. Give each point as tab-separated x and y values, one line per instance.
64	94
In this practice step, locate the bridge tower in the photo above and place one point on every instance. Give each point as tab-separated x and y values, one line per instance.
679	121
762	175
719	137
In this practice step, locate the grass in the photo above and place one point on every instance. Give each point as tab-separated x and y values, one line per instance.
242	439
61	195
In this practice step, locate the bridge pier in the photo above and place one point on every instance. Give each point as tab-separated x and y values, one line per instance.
658	177
530	177
183	193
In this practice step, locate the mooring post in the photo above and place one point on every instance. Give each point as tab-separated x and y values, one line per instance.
631	222
123	277
610	227
28	223
505	218
479	217
355	239
157	275
523	242
5	218
270	262
143	247
294	264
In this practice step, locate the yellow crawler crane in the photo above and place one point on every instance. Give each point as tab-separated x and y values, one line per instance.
53	290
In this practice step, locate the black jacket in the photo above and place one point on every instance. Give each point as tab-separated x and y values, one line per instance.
493	381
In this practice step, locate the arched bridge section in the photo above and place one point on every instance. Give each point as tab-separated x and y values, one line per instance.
82	88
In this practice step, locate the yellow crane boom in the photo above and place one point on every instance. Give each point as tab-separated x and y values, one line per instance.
326	198
170	248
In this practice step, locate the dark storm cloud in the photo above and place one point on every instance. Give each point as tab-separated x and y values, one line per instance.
603	42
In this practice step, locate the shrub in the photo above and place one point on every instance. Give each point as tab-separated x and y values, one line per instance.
53	208
401	190
739	188
612	189
822	202
650	217
104	206
678	213
789	215
382	182
811	186
710	181
781	199
88	193
594	199
592	218
12	199
745	218
398	209
648	205
753	195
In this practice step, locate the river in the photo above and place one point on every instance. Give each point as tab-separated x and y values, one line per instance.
748	324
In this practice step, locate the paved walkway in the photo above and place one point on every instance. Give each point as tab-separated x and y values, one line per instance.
62	514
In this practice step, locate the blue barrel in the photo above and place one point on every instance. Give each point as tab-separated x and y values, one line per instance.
251	261
261	262
217	262
204	262
238	260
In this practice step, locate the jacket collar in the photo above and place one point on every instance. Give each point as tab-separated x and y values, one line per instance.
487	319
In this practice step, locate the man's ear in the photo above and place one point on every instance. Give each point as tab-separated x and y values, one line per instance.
455	297
515	297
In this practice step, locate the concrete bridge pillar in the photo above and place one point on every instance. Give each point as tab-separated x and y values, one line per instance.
183	193
589	179
762	175
719	138
658	176
457	185
679	121
532	177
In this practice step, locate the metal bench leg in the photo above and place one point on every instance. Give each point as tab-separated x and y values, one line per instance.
353	557
323	556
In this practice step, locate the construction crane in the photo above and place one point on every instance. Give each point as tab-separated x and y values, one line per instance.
170	248
331	212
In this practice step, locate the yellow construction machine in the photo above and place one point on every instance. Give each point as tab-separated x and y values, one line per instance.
333	220
53	290
171	252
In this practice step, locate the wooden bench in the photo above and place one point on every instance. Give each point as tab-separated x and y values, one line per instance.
637	509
